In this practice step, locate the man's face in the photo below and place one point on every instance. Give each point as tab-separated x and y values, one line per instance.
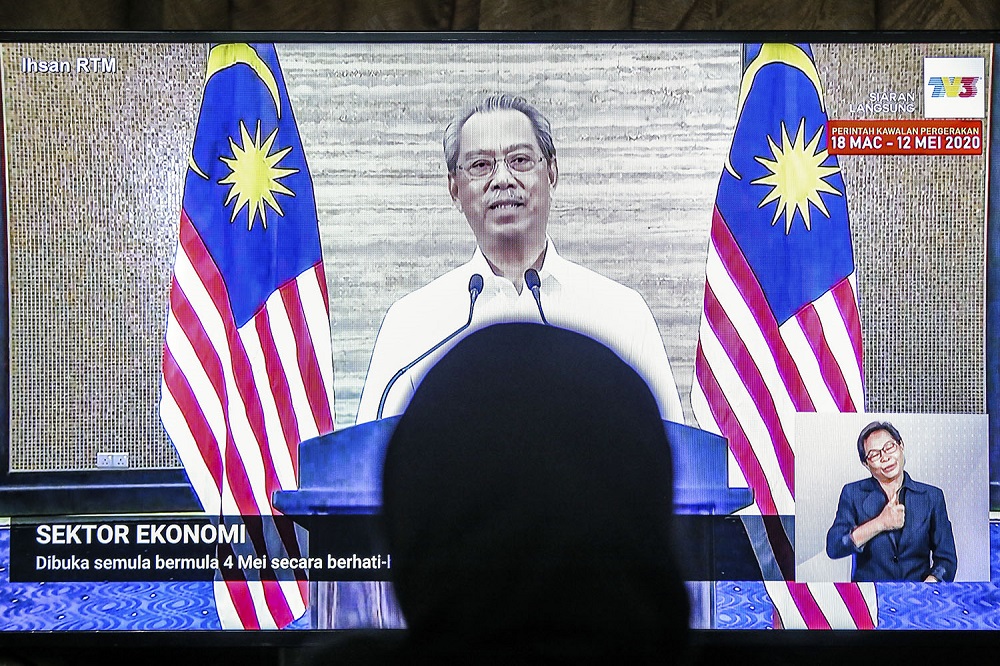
887	466
508	211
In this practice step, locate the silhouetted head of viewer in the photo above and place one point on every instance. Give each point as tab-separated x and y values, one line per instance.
527	498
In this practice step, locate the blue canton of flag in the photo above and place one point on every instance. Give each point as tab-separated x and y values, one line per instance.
782	193
247	153
247	362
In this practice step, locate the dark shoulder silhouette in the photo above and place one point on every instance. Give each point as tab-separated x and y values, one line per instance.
528	505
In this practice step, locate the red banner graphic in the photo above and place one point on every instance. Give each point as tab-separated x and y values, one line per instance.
904	137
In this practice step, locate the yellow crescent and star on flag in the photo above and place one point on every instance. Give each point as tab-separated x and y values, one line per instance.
796	172
254	171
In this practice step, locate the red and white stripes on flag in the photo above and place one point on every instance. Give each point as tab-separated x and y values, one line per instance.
751	377
236	402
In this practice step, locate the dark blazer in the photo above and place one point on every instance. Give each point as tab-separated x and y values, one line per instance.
925	546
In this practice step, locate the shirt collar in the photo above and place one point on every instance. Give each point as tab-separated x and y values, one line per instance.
908	483
553	266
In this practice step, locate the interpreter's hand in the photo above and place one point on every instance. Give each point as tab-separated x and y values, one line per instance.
931	579
893	515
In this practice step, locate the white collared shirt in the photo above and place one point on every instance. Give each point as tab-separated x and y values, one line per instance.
573	298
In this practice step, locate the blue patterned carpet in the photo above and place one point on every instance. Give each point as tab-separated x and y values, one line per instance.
745	605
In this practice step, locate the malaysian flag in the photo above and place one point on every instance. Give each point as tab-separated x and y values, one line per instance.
247	364
780	330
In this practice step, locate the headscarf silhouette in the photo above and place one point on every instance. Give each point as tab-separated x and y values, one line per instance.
527	499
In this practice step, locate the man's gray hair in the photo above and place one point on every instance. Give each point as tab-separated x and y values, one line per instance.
539	123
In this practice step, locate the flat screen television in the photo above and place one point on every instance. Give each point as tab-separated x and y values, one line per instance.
203	234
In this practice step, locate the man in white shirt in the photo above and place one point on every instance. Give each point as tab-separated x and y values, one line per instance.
501	172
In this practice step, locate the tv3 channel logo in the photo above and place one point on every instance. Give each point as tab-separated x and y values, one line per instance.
954	87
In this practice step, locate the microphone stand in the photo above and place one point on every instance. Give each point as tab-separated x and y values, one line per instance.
475	288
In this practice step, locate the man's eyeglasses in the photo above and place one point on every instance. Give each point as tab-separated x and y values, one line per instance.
484	166
887	450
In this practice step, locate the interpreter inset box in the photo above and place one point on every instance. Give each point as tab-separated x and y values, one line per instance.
944	456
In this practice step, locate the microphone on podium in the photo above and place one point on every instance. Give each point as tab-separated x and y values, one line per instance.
535	285
475	288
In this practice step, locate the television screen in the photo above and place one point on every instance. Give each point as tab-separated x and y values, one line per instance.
229	265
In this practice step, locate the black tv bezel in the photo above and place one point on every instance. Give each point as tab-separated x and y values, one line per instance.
706	646
60	493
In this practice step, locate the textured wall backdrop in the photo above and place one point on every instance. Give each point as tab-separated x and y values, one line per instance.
919	227
95	169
